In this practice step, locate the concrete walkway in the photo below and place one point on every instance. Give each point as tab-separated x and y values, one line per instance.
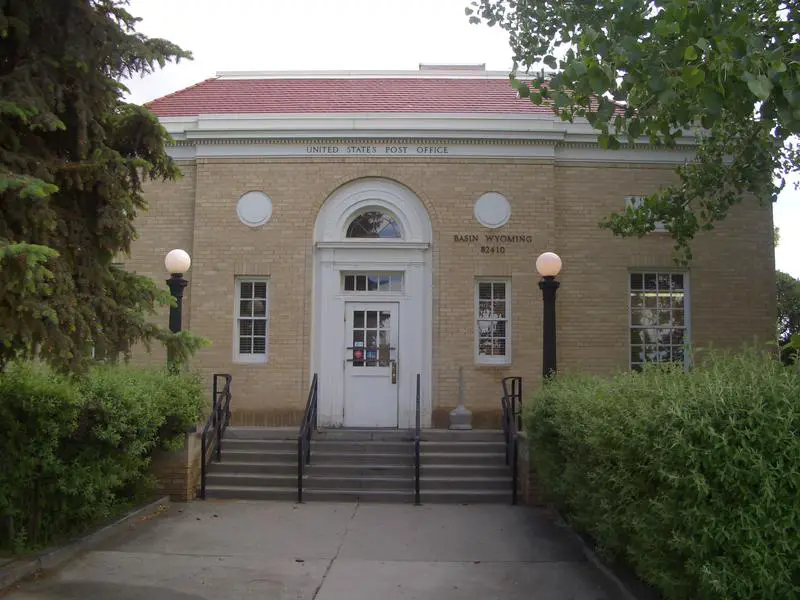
265	550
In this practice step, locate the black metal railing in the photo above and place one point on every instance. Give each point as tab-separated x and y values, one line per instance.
511	404
217	423
307	426
417	446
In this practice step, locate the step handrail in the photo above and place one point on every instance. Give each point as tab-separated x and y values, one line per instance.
511	406
216	424
417	446
304	436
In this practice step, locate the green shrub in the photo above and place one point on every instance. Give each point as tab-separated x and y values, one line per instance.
74	450
692	478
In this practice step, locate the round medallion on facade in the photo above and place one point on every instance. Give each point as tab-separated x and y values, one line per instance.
254	209
492	210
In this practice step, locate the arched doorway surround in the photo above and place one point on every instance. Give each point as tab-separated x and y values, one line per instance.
372	317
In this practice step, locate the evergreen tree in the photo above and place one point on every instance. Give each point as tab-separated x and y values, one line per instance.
73	156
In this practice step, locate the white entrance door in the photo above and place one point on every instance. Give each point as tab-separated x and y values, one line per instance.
371	367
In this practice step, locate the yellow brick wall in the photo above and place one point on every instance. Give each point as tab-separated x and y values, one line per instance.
167	223
731	275
731	272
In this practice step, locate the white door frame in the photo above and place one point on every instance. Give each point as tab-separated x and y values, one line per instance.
334	255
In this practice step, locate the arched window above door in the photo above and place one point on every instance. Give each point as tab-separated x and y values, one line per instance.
374	224
374	210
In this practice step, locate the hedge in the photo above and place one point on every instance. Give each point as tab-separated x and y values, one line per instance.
691	478
74	450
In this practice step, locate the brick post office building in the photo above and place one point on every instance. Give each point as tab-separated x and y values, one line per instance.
369	227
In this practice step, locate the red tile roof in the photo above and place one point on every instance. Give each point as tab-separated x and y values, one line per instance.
346	95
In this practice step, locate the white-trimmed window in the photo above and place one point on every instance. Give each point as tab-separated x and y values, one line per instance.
659	309
252	319
390	281
492	321
636	202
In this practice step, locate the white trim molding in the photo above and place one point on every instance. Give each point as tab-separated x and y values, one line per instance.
455	149
335	255
497	360
304	126
251	357
372	192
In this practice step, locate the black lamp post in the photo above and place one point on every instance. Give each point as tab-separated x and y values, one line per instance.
177	263
548	265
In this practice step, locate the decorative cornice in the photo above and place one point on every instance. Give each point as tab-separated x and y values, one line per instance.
362	140
644	146
458	130
405	137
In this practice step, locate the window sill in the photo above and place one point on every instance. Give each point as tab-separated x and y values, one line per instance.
494	365
249	362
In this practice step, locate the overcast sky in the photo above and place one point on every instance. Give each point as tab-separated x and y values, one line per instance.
275	35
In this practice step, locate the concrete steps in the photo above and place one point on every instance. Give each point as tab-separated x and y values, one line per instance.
368	466
362	465
464	467
257	464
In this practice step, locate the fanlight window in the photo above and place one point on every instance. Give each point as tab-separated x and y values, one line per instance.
374	224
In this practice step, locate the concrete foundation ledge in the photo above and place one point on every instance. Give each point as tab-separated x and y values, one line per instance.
15	571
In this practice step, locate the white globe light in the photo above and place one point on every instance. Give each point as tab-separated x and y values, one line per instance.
548	264
177	261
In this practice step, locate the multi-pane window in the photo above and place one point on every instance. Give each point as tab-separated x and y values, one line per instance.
372	282
252	316
492	324
371	338
659	305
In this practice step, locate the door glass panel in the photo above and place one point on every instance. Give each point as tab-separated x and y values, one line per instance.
372	318
372	346
371	338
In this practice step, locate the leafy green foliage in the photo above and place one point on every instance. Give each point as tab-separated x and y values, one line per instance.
692	478
794	345
77	448
73	156
788	291
728	71
181	347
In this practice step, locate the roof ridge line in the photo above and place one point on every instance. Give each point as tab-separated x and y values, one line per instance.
363	74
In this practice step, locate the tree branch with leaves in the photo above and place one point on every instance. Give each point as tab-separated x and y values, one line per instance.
729	72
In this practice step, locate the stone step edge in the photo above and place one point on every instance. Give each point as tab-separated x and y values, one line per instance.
427	453
355	492
314	477
357	465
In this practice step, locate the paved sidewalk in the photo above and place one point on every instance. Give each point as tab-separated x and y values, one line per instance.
316	551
